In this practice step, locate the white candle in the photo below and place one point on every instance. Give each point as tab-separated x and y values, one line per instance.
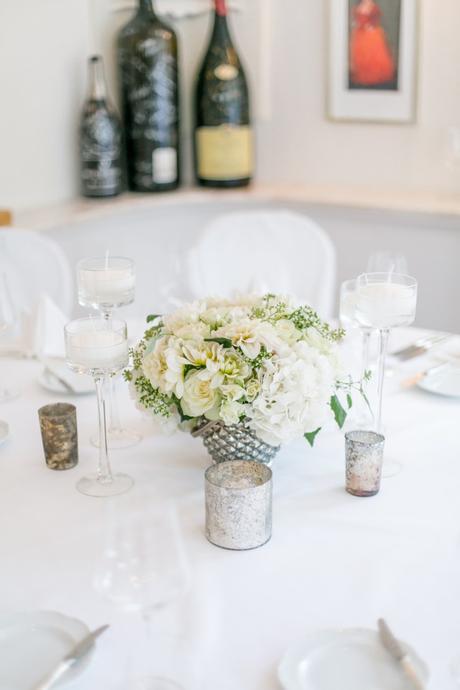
106	286
104	350
385	305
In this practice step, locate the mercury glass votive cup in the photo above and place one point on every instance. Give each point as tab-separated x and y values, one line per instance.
238	504
364	458
58	425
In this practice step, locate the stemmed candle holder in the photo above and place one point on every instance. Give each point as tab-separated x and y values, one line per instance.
108	283
99	348
385	301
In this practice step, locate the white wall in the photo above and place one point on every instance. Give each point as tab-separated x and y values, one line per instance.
43	48
41	88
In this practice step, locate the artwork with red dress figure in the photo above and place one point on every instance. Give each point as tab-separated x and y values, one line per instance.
374	44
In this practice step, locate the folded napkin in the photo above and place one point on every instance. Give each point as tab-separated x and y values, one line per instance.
38	332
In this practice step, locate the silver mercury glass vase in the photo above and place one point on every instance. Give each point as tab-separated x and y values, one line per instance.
236	442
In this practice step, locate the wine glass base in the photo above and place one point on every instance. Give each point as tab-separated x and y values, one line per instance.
117	439
93	486
391	468
154	683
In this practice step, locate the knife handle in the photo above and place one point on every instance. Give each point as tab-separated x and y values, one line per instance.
411	673
49	680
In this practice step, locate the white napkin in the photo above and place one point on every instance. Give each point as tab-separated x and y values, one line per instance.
43	330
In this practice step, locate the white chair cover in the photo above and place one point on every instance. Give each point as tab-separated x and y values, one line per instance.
265	251
33	265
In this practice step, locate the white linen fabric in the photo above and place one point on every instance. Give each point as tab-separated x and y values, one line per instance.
34	264
333	561
264	251
36	290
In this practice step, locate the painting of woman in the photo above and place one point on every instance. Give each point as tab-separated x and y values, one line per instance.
372	59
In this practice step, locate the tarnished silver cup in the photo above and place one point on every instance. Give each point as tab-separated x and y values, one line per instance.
238	504
364	458
58	424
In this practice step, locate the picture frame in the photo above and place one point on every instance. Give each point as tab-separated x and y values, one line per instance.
372	67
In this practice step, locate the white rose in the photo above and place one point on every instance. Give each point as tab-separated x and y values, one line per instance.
199	398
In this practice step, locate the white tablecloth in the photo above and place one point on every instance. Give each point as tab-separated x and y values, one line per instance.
334	560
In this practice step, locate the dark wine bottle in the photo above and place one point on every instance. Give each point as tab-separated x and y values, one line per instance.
223	135
147	59
101	147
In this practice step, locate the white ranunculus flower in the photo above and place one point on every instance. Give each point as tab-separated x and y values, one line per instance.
199	398
294	396
185	316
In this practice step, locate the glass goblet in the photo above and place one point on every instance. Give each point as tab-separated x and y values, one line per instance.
385	301
108	283
144	570
100	349
347	316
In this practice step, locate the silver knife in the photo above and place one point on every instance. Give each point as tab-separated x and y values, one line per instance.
394	647
71	658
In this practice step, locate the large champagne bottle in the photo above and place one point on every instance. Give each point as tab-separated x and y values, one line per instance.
223	135
147	57
101	149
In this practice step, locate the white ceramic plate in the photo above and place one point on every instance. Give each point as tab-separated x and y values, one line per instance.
4	431
444	381
32	643
350	659
82	385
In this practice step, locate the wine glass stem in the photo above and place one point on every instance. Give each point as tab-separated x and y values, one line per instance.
113	415
384	333
366	343
104	473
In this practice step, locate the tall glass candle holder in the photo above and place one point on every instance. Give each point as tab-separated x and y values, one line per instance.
108	283
347	316
99	348
385	301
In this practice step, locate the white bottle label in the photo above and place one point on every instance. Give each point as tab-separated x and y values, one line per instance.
164	165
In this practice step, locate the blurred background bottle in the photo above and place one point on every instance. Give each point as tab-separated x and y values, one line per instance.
223	134
101	146
147	59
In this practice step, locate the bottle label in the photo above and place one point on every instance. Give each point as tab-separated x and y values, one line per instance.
164	165
226	72
224	152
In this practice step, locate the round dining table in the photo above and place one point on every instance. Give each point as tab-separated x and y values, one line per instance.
335	561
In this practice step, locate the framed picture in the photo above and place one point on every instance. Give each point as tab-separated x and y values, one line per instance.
372	60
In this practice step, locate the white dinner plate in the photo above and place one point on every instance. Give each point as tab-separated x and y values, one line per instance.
32	643
4	431
81	384
350	659
444	381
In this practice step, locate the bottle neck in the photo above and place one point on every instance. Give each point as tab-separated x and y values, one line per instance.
220	7
97	86
221	31
146	8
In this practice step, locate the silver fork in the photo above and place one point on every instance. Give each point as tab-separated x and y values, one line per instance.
420	346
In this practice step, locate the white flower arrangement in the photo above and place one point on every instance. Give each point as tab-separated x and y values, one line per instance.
258	361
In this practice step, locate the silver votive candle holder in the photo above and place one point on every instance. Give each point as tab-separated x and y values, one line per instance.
58	425
238	504
364	459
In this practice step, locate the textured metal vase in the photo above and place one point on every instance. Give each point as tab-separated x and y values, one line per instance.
236	442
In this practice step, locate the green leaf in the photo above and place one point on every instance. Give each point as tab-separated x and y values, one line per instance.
152	317
311	436
349	401
339	413
225	342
